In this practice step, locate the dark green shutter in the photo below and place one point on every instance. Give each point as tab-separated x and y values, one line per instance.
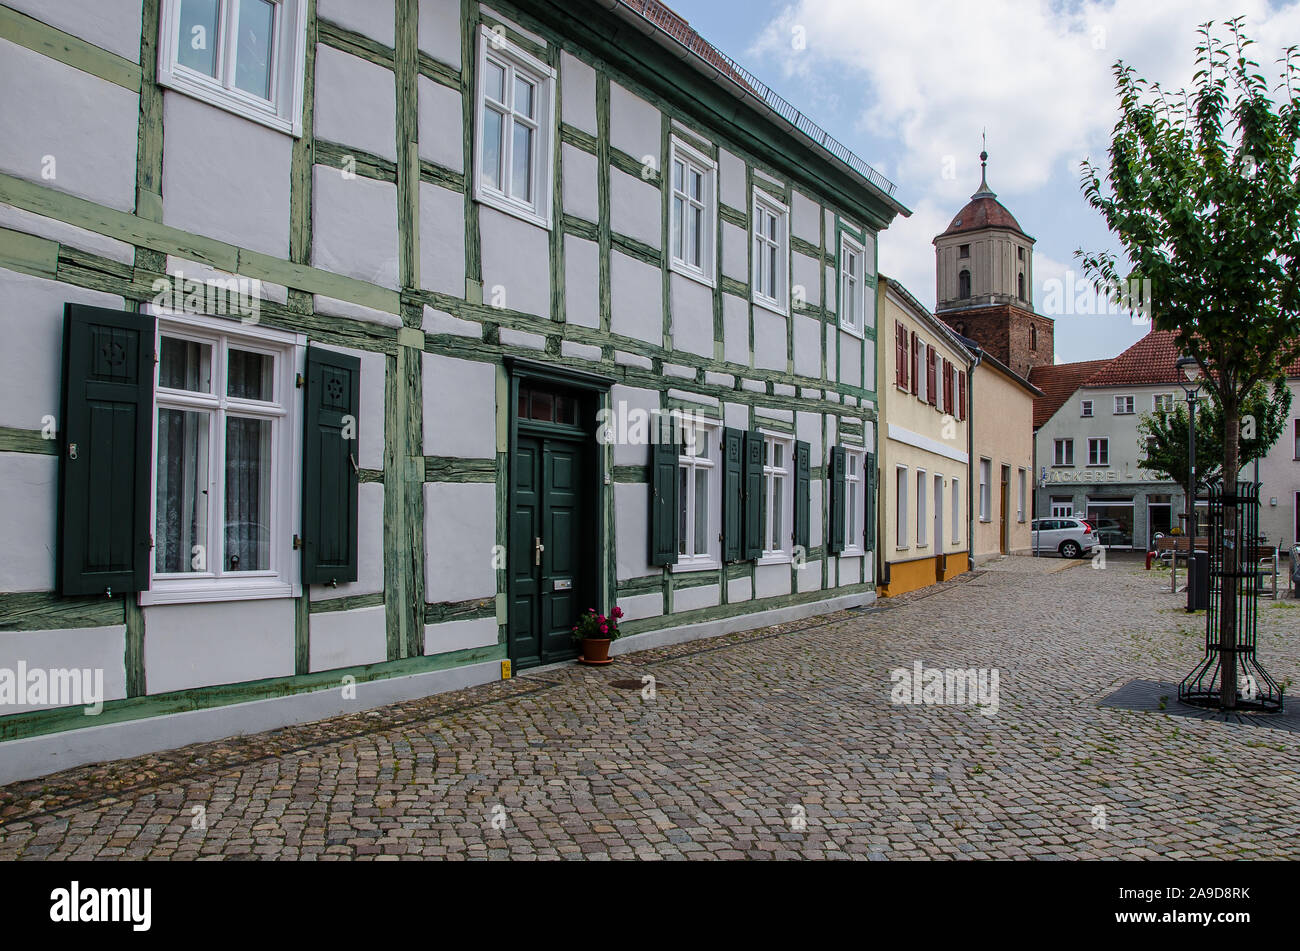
663	504
329	471
106	451
753	495
869	530
733	493
836	534
802	494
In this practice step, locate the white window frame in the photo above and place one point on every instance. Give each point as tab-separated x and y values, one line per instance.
765	203
496	48
985	498
712	556
1061	509
282	579
1124	405
283	111
922	530
855	462
1097	445
1167	399
902	540
856	322
1063	458
1085	409
1023	477
693	160
784	554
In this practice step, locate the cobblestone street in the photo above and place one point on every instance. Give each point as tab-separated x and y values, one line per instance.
746	736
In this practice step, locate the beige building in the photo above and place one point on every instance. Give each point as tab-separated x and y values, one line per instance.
924	445
1002	420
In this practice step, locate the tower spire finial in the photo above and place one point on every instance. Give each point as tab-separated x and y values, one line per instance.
984	190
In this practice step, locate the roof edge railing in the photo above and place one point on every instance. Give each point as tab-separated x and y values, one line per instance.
674	26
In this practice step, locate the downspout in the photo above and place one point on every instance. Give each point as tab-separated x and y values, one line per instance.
972	472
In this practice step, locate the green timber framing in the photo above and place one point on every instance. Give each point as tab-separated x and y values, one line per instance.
691	106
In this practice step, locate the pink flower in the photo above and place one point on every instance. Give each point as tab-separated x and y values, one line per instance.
618	612
604	629
601	619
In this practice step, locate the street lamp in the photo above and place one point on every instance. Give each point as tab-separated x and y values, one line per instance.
1190	379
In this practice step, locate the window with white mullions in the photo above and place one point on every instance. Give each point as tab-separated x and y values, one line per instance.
854	500
692	179
223	458
771	254
853	296
513	156
246	56
777	493
698	512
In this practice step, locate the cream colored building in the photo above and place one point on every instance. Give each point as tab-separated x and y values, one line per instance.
924	445
1002	453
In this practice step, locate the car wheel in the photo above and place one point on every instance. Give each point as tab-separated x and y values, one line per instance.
1070	550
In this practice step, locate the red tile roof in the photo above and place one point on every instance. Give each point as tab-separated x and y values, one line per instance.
983	211
1058	383
1150	361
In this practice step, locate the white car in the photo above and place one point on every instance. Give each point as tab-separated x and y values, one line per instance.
1069	537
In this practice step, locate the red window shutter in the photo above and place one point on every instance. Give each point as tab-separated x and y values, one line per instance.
961	394
931	373
900	355
916	364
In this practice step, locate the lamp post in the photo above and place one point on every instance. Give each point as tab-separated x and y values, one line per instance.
1189	378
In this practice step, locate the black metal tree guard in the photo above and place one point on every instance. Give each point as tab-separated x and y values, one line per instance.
1257	692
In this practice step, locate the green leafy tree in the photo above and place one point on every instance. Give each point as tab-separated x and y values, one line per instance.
1162	437
1202	193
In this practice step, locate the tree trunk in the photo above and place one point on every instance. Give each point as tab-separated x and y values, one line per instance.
1231	547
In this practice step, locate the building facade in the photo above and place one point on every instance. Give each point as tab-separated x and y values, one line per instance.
925	479
361	346
1279	476
1002	433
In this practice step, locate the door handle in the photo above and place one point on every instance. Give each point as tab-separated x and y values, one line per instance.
538	548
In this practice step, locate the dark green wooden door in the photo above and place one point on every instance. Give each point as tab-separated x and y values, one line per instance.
549	564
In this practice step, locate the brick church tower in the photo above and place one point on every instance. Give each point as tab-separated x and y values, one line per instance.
984	282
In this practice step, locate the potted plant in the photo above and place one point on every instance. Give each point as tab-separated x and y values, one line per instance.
593	632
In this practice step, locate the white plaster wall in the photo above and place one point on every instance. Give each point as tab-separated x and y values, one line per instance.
356	102
869	364
439	30
87	125
635	208
832	296
225	642
631	510
807	346
439	322
850	571
809	578
805	217
459	407
731	181
692	310
832	356
96	648
517	258
735	252
333	307
581	281
735	330
459	532
772	580
225	177
18	219
348	638
633	123
113	25
366	17
808	427
739	589
440	124
460	635
31	311
27	521
690	599
370	547
625	401
580	187
806	273
442	239
513	24
636	299
850	359
578	93
354	226
769	340
641	605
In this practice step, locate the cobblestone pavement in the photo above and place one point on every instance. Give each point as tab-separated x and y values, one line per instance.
748	737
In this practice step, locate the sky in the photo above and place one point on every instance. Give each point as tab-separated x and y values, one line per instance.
911	85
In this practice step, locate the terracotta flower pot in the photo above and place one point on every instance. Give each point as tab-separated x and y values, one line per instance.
595	651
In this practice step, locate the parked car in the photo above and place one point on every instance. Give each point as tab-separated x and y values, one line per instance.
1069	537
1111	533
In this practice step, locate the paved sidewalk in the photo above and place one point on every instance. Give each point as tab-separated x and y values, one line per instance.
781	743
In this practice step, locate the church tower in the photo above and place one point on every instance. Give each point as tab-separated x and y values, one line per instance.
984	282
